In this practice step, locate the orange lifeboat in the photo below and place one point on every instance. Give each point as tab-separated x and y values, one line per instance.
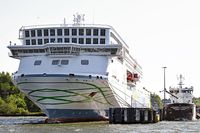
129	76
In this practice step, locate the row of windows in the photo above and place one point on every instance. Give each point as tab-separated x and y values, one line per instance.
61	62
65	32
64	50
66	40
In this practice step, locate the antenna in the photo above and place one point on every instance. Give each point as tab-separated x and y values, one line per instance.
78	18
64	21
181	78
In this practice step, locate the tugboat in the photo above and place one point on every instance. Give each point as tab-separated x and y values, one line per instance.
181	107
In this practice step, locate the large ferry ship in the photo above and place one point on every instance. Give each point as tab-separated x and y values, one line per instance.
181	106
76	72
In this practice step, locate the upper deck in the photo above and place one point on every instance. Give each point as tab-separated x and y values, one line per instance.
70	33
70	39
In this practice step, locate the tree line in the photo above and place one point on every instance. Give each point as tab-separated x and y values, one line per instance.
12	101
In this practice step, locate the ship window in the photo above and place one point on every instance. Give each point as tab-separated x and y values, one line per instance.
59	40
35	51
39	32
95	40
64	62
84	62
114	51
39	41
81	32
32	33
88	40
52	32
33	41
59	32
103	32
52	40
46	41
74	40
102	41
37	62
66	31
81	40
46	32
74	32
88	32
66	40
95	32
41	51
28	42
27	33
55	62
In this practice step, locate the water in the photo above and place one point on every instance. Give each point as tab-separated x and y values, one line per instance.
25	125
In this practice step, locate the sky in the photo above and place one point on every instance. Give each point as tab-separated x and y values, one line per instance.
162	33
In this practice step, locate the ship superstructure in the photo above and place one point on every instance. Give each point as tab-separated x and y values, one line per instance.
181	106
77	71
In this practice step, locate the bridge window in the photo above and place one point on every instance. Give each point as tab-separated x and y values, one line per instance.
39	41
103	32
32	33
81	32
39	32
95	40
46	32
37	62
64	62
74	32
66	31
33	41
55	62
81	40
52	40
59	32
74	40
46	41
102	41
95	32
88	40
27	33
88	32
52	32
28	42
84	62
59	40
66	40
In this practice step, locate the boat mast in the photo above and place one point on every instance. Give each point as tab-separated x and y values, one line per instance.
181	81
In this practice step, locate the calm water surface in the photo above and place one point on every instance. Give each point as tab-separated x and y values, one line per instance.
25	125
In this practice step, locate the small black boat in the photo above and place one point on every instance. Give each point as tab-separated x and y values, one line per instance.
181	107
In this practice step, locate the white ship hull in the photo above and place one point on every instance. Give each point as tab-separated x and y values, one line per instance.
74	97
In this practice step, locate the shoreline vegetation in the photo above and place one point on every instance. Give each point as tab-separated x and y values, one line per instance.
13	102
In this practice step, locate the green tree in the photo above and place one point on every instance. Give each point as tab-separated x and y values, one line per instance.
196	101
156	101
12	101
6	86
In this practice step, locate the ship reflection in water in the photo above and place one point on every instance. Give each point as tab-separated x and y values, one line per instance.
19	125
181	107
